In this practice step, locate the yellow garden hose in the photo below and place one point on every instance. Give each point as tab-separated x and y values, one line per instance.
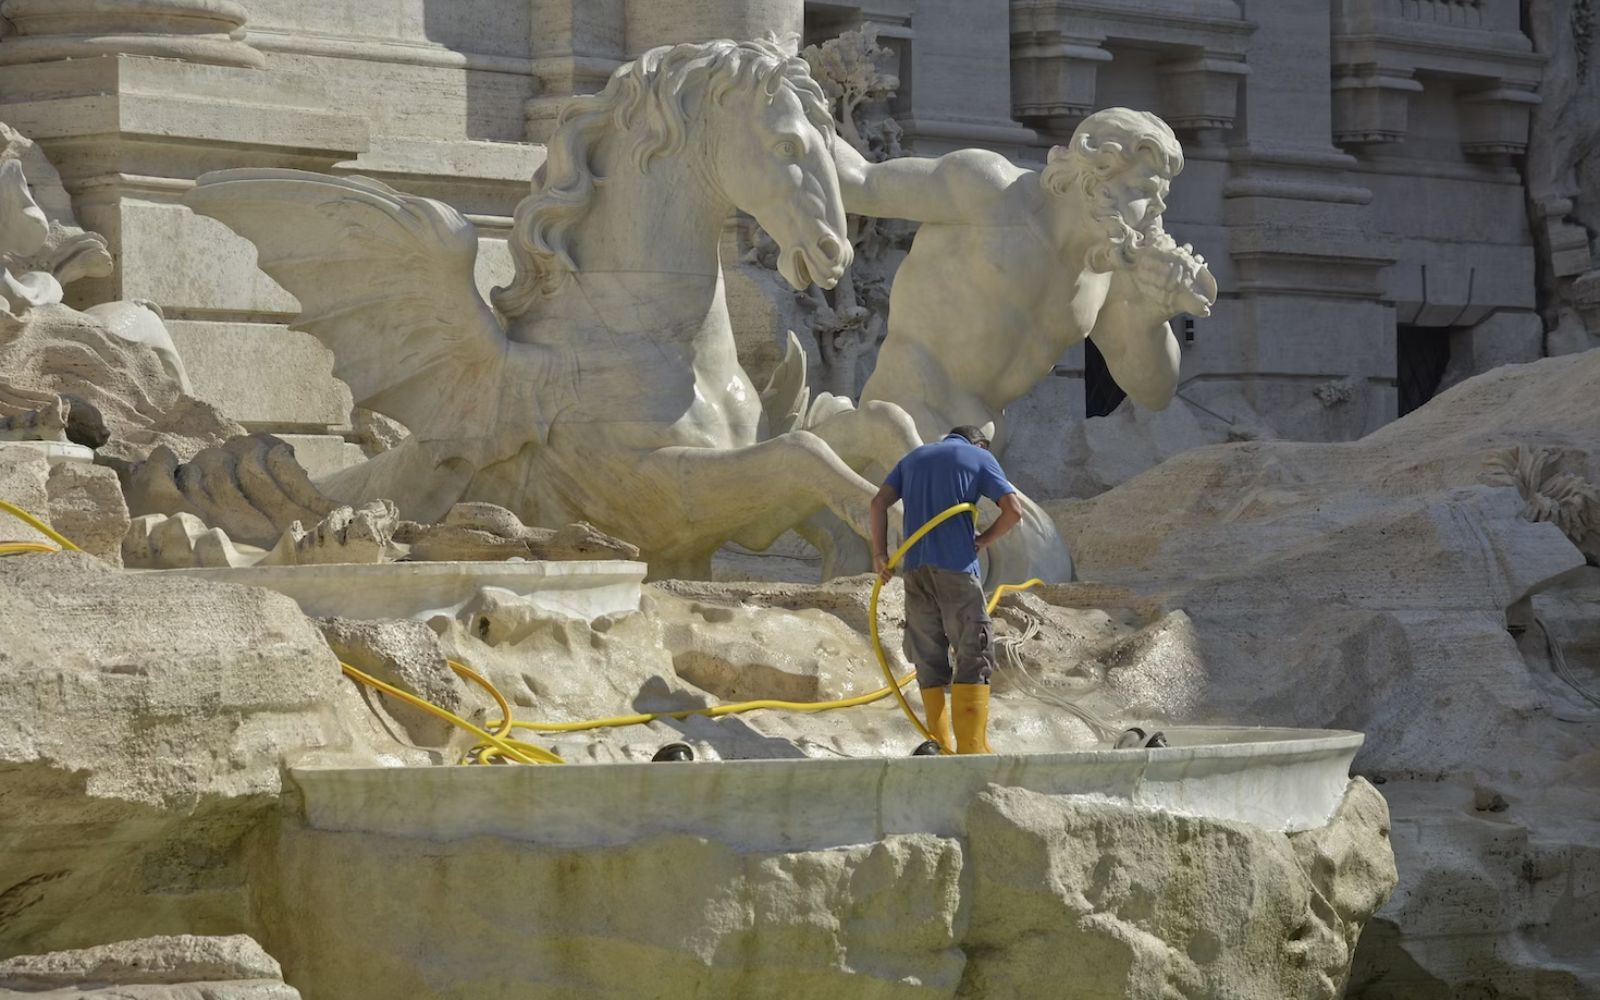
496	743
716	711
39	526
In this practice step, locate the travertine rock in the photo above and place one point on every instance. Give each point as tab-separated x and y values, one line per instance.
86	506
483	531
673	917
346	535
1376	586
144	724
24	479
181	541
251	487
183	967
407	654
68	353
1080	899
1041	896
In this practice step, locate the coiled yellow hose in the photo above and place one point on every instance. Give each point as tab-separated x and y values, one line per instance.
496	743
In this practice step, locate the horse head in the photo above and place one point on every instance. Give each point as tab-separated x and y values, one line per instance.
749	118
772	155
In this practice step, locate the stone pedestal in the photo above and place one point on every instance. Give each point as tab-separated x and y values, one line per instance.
133	99
200	31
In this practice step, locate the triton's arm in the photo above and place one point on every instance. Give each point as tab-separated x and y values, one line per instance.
951	188
1139	348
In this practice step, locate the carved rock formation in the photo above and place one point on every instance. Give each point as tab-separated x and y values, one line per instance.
346	535
251	487
406	654
62	352
483	531
183	967
1375	585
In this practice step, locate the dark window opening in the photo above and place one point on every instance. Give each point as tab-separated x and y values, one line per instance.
1101	393
1422	353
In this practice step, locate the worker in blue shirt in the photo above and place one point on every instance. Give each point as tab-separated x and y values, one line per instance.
944	600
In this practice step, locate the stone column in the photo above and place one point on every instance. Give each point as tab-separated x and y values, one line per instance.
667	22
576	46
197	31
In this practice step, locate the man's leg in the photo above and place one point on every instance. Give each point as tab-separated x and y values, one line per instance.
928	647
967	622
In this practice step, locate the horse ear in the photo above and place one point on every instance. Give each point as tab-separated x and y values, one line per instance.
987	430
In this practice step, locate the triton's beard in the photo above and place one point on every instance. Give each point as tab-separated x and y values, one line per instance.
1121	243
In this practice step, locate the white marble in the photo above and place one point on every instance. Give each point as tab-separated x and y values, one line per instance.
586	589
1277	779
612	392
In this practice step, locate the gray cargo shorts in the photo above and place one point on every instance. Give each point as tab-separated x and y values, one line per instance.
945	610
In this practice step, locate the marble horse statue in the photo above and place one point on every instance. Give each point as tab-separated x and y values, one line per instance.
603	384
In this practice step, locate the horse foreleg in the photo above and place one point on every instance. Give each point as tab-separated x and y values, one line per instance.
871	437
751	495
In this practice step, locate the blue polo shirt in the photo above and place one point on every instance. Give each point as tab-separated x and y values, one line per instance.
934	478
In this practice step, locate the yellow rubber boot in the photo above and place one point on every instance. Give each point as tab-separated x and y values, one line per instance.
969	711
938	718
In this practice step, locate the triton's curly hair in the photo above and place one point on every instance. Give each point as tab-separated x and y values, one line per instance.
1104	145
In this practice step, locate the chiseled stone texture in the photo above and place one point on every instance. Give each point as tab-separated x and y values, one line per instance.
404	653
1077	898
1376	586
672	917
87	506
1067	897
24	475
264	377
144	722
181	967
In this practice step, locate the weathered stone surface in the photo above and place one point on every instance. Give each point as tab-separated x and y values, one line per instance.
61	351
347	535
181	541
483	531
1083	899
144	722
181	967
251	487
86	506
1376	586
406	654
669	918
24	478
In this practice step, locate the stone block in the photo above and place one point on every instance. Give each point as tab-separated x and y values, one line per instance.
667	22
324	454
188	263
23	475
86	505
265	377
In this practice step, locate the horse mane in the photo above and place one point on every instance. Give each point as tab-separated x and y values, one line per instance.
645	104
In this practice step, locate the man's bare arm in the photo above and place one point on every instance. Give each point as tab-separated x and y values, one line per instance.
1010	514
952	188
881	503
1138	345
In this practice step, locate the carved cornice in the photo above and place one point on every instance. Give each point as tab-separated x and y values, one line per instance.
198	31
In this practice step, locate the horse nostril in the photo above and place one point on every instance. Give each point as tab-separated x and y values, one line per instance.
830	249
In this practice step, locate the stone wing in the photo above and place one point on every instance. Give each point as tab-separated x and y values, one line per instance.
385	280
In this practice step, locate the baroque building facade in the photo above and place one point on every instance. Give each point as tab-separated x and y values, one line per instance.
1355	168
